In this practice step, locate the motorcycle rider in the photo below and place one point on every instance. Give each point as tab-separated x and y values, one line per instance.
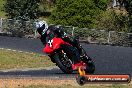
44	30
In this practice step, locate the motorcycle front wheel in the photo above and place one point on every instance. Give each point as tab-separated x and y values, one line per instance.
63	63
65	57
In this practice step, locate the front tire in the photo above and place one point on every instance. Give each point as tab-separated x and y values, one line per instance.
65	62
65	69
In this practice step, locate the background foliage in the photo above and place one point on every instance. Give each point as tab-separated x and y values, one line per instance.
22	9
111	21
80	13
2	13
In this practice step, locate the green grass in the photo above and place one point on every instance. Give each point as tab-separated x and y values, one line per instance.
17	60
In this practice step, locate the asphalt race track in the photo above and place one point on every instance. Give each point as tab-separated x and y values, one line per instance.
108	59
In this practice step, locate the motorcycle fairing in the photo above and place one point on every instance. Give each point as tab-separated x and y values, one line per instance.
54	45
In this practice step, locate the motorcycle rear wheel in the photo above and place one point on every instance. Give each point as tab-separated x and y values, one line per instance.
90	68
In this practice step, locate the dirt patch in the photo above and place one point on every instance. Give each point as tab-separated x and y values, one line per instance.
19	83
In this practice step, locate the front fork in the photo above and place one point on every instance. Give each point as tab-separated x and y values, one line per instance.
65	56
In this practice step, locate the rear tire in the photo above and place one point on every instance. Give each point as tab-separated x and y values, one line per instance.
81	80
90	68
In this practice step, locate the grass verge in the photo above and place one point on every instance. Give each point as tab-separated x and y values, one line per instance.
17	60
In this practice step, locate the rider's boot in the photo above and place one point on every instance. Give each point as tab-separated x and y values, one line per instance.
84	55
79	64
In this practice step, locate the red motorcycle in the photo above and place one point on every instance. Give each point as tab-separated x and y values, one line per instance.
63	53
